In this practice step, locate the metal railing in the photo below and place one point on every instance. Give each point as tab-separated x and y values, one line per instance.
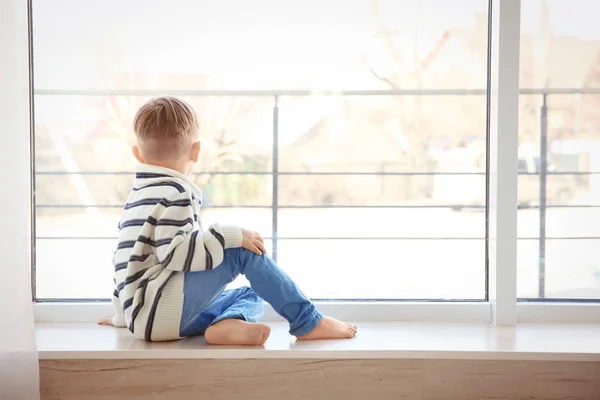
275	173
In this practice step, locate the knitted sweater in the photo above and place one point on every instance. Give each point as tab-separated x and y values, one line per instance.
160	238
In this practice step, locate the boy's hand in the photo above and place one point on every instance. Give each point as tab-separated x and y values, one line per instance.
253	241
106	321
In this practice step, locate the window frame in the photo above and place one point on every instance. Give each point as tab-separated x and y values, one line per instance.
501	306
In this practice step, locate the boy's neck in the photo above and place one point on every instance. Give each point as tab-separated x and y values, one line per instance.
183	170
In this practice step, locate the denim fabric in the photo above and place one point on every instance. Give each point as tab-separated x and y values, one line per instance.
206	301
241	303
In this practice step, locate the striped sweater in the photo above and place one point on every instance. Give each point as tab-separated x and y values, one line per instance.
159	239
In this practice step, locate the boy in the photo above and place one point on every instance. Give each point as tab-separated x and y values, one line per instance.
170	275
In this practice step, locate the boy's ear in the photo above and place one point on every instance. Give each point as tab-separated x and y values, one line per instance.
138	154
196	151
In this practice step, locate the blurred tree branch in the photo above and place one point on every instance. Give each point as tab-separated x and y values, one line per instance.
398	76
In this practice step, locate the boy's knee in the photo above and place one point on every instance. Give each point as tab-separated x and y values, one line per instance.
240	253
247	252
247	260
248	256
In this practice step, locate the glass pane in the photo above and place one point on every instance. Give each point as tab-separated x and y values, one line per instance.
528	262
81	276
572	270
528	222
572	222
257	219
77	223
384	134
235	189
383	190
381	223
86	273
106	189
424	151
103	222
64	189
572	277
333	44
567	126
386	269
562	190
95	133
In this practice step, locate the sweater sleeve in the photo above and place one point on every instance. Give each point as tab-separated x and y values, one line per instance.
118	319
181	246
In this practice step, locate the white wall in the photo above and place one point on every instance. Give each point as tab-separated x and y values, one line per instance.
19	376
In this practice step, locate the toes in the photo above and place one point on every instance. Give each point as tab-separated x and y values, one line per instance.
265	337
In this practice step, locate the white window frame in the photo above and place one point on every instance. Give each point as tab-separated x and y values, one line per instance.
501	309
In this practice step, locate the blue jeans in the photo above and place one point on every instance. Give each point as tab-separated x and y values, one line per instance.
206	301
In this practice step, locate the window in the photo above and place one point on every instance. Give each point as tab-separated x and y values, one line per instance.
559	151
374	193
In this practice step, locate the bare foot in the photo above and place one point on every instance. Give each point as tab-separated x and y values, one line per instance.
331	328
237	332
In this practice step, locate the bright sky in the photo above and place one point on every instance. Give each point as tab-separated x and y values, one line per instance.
578	18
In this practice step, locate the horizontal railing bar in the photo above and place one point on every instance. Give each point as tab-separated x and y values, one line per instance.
122	205
349	300
302	92
559	91
258	93
563	173
279	207
562	238
266	173
555	300
535	207
332	206
279	238
85	173
439	238
72	300
454	206
316	173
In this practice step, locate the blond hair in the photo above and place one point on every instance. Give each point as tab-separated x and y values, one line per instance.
165	127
